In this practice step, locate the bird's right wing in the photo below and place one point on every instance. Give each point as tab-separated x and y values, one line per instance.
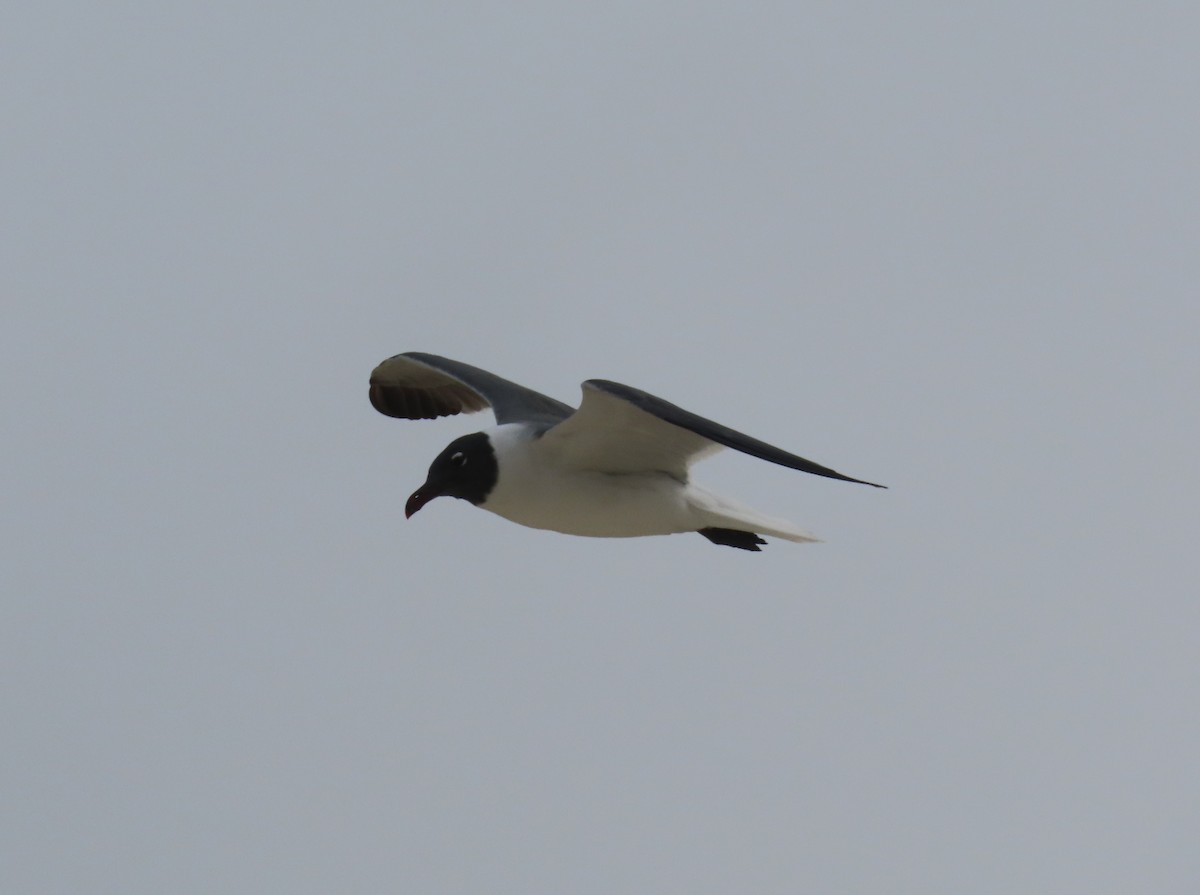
417	386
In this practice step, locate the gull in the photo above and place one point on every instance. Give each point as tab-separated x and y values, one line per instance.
616	467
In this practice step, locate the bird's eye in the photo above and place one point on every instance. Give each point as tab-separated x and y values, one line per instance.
458	458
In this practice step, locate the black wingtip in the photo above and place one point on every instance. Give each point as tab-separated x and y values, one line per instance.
825	471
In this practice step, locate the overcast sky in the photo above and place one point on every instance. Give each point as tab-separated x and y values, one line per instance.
952	248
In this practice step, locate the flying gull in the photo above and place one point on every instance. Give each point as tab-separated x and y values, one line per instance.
616	467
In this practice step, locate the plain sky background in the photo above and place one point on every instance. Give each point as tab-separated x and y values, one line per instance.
949	247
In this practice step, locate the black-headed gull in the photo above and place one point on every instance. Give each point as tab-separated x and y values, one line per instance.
615	468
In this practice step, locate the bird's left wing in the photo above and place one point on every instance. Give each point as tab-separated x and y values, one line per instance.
611	434
622	429
417	386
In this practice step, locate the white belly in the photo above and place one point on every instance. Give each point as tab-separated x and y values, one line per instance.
595	504
577	502
534	490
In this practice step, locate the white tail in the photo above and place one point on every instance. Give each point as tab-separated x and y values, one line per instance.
721	512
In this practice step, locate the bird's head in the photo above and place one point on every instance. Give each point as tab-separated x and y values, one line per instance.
466	469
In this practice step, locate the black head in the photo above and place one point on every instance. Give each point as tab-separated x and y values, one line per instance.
466	469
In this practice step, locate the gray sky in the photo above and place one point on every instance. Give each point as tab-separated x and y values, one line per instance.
951	249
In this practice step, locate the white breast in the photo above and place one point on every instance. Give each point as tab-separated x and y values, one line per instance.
534	490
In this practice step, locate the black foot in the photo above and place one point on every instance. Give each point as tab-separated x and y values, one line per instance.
731	537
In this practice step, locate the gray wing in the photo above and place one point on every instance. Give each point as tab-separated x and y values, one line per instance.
417	386
622	429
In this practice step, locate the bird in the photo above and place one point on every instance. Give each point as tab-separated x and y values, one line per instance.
615	467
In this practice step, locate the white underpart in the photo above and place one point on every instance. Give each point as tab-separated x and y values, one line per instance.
534	490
